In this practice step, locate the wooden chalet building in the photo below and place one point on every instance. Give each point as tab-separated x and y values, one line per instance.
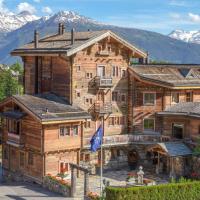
75	81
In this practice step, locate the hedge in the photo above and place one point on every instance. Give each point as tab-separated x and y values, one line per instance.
172	191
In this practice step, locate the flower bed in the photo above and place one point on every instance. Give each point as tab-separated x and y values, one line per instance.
93	196
57	185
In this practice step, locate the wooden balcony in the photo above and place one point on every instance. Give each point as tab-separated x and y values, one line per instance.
103	82
104	53
14	139
116	140
101	109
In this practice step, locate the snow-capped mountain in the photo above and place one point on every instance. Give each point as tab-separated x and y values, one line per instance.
160	47
10	21
71	16
186	36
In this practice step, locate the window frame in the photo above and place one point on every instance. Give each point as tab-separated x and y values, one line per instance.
173	93
30	159
149	104
191	96
20	159
65	126
147	130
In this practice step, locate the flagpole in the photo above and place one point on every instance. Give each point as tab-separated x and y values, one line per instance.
101	168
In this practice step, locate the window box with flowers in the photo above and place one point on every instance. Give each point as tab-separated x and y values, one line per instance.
56	184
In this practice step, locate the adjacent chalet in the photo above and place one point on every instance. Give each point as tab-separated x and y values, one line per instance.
76	81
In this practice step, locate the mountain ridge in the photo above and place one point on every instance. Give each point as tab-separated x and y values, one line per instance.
186	36
160	47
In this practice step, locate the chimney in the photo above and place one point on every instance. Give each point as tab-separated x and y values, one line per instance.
72	36
147	59
36	39
63	29
60	29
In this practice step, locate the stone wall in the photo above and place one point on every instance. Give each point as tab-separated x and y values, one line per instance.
58	186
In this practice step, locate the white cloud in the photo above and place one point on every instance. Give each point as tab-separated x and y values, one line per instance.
177	3
37	1
2	6
194	17
47	10
175	16
26	7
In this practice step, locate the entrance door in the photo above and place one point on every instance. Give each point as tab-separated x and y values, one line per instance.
101	71
177	131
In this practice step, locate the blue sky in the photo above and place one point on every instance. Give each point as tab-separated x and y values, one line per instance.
156	15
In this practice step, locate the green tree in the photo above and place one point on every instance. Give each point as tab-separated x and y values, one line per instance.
9	83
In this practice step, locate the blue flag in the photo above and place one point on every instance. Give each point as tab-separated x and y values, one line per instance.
96	140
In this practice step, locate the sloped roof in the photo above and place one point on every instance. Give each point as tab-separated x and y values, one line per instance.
61	44
190	109
168	75
49	107
13	114
174	149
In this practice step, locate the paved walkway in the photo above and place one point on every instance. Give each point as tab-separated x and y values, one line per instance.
26	191
116	178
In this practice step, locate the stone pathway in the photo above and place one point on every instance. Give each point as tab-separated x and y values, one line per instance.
116	178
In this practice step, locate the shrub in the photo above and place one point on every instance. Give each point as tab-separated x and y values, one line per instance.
172	191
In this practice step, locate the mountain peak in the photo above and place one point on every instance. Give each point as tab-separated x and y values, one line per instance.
10	21
24	13
70	16
186	36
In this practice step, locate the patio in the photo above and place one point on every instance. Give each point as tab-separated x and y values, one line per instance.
117	178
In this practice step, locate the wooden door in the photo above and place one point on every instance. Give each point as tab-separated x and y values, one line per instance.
101	71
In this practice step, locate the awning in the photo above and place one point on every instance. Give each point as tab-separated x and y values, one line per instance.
13	114
172	149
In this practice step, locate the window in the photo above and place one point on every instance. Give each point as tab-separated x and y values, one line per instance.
117	121
148	124
87	157
149	98
123	97
89	75
87	124
88	101
189	97
75	130
175	97
30	158
13	126
114	96
64	167
177	130
78	94
64	130
22	159
199	129
123	73
115	71
111	121
78	68
5	153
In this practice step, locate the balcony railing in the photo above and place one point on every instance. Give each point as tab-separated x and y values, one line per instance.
105	108
125	139
104	53
103	82
14	138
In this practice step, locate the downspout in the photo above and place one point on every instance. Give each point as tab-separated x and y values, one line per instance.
71	80
42	153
